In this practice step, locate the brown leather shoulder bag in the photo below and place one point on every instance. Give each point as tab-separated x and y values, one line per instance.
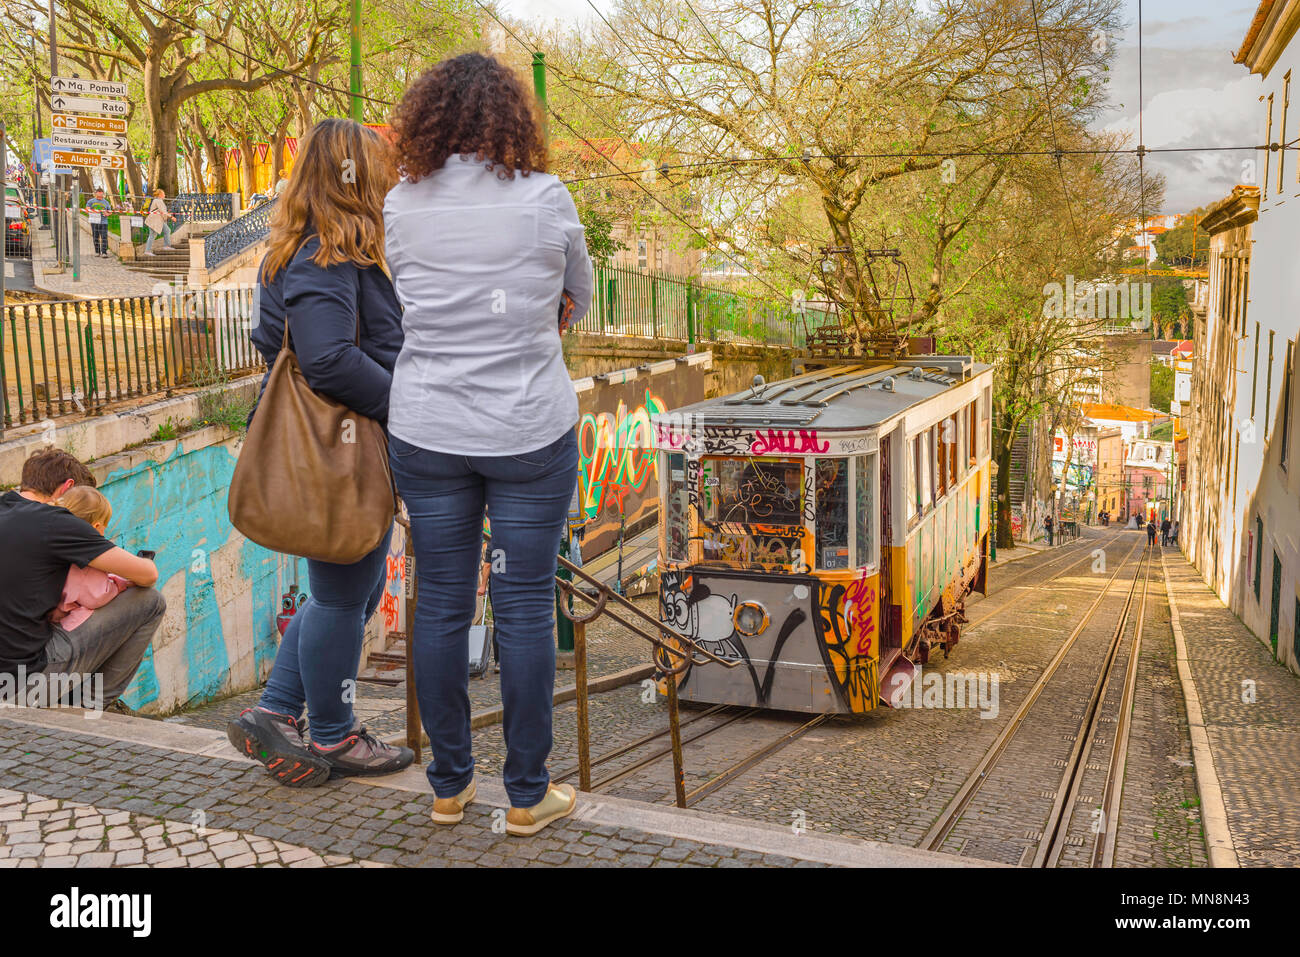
312	478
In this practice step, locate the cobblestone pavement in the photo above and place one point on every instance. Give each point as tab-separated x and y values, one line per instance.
99	277
382	708
37	831
1251	708
149	799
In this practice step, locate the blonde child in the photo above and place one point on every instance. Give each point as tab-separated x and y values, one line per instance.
86	588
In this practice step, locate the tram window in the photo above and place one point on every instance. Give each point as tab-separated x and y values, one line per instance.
676	500
973	432
864	505
756	492
913	490
941	453
925	471
832	479
954	450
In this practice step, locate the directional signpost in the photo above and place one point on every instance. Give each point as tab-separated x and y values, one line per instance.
87	104
88	131
88	124
87	141
90	160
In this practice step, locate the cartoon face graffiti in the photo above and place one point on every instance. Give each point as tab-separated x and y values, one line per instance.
707	619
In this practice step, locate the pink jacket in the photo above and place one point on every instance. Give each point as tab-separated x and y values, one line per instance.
85	590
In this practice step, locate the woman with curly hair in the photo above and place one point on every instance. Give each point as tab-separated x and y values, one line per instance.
482	244
323	277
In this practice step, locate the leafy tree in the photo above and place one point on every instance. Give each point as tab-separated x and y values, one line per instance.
1162	386
1174	247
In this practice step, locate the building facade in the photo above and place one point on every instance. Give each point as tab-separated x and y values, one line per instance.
1242	504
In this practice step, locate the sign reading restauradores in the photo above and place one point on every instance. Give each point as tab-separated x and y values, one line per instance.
82	86
87	141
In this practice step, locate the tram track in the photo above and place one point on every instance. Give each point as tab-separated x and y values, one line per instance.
1083	554
730	714
1053	834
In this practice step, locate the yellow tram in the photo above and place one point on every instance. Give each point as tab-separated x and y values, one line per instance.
823	531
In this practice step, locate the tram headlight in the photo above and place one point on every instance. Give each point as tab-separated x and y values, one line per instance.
750	618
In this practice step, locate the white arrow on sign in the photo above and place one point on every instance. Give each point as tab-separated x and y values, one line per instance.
90	160
83	104
86	141
80	85
88	124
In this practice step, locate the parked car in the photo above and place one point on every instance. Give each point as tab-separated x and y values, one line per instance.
18	232
18	195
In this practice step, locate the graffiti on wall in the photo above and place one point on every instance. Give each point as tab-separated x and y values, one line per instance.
618	474
616	458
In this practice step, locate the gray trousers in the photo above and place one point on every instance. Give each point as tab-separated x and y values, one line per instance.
111	642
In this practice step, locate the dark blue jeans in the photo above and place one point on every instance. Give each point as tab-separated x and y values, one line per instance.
528	498
321	649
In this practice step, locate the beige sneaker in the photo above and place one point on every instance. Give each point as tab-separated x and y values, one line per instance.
451	810
559	802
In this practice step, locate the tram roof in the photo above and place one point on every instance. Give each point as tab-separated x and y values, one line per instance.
840	397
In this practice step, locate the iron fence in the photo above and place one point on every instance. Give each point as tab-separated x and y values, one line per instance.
237	235
631	302
80	355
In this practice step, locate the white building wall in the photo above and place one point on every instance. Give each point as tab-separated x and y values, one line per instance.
1263	488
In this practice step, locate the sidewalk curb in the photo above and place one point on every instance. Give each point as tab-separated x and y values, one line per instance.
1214	814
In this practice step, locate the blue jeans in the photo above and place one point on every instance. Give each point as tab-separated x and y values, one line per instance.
528	498
321	649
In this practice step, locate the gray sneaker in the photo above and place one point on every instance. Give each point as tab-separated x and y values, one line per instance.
275	741
361	754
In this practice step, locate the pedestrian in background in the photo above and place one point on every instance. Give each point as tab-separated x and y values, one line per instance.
1164	532
324	277
1047	525
158	222
98	207
482	243
1151	531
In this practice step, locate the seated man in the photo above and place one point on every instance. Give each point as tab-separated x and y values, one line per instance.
41	540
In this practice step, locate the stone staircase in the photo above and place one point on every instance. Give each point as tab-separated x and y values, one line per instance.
165	264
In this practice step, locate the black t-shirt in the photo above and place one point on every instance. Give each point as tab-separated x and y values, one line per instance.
37	544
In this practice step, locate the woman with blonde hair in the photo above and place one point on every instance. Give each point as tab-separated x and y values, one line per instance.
158	221
324	276
483	244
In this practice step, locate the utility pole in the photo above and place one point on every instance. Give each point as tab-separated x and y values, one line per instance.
56	204
355	77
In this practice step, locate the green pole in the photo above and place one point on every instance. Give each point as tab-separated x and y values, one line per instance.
355	78
690	317
539	80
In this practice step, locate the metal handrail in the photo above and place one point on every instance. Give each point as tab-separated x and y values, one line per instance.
667	671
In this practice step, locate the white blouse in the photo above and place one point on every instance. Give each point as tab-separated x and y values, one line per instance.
478	264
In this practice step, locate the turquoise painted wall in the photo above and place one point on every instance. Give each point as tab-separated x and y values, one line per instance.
223	590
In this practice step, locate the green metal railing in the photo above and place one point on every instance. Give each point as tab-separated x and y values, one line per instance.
631	302
79	355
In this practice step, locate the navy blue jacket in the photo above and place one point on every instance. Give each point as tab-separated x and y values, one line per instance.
323	304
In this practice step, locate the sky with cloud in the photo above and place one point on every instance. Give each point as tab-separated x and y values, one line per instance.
1193	94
